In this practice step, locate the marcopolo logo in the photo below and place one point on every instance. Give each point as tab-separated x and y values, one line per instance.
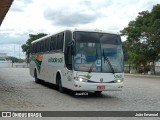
55	60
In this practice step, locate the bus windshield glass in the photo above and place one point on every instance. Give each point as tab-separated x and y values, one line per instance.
98	52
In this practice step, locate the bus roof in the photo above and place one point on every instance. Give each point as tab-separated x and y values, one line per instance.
76	29
95	30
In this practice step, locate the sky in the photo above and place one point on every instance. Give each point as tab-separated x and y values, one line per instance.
49	16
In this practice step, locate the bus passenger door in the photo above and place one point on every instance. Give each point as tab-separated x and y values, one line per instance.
68	73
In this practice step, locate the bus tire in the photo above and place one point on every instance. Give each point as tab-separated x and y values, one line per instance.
97	92
60	87
35	76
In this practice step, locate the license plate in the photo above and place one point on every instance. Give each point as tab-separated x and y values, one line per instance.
100	87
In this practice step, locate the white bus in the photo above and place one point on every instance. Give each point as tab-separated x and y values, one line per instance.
79	60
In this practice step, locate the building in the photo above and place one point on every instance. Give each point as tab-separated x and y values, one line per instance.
3	55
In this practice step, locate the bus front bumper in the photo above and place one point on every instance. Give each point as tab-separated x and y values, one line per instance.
85	86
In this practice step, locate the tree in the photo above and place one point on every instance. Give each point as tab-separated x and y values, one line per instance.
143	37
25	47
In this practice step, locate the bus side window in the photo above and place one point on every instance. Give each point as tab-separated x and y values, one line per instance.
38	47
53	43
41	46
46	44
60	39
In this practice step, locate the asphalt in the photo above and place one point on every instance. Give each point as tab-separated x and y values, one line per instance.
18	91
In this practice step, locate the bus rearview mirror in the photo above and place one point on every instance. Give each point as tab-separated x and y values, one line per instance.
72	50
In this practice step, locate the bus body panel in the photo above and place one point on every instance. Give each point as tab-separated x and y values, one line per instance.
94	81
93	86
48	66
49	63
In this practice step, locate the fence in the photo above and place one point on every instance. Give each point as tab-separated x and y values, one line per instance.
132	70
13	65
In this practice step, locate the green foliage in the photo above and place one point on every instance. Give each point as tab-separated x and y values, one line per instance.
25	47
143	37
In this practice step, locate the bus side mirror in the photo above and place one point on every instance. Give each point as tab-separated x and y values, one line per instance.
72	50
125	53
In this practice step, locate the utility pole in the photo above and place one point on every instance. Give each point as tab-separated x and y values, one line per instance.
19	51
13	60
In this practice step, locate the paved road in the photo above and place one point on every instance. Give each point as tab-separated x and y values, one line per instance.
18	91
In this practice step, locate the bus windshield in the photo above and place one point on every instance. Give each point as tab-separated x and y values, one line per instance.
98	52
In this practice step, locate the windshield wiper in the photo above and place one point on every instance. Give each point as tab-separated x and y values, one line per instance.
109	63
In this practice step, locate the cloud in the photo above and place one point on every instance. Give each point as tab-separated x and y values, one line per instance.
12	38
20	5
148	4
64	18
50	16
95	5
82	12
12	50
11	42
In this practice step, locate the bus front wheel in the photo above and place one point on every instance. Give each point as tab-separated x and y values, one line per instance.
98	92
60	87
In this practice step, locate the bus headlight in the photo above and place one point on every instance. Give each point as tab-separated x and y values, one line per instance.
80	79
118	81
